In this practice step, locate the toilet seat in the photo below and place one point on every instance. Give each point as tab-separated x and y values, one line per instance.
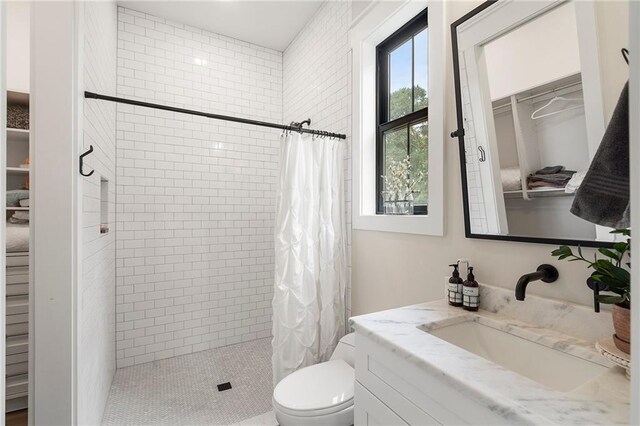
319	390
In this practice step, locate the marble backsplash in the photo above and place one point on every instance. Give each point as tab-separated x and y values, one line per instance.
564	317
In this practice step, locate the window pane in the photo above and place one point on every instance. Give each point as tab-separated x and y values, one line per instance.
395	151
421	64
420	159
395	146
400	70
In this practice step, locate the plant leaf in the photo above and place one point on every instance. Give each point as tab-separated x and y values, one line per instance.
621	247
609	253
626	232
563	252
608	299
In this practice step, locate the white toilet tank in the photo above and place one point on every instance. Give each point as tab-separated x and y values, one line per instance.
345	350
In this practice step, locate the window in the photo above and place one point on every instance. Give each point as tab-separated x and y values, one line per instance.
402	110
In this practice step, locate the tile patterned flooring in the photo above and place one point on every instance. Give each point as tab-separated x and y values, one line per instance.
182	390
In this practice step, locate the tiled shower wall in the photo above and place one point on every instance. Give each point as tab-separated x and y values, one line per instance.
195	196
96	310
317	84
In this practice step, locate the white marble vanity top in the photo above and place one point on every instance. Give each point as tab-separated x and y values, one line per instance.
519	400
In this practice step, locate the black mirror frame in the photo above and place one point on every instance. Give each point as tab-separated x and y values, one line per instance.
459	133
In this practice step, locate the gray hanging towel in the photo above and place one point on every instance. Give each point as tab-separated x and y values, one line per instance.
603	196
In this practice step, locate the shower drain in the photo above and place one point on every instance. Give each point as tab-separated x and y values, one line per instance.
224	386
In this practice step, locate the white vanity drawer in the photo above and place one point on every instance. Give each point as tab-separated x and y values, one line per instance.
393	390
418	396
370	411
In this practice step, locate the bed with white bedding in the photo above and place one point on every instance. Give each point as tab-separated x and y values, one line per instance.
17	237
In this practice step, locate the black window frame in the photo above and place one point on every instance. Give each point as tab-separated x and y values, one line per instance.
406	32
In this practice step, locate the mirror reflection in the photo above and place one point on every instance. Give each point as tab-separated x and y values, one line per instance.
531	98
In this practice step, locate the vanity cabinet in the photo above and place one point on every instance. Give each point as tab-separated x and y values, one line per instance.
391	391
370	411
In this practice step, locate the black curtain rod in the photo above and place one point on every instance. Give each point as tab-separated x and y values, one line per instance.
296	127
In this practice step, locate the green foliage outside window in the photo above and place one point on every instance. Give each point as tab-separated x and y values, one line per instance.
396	145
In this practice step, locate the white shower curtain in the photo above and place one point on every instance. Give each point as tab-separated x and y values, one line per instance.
310	253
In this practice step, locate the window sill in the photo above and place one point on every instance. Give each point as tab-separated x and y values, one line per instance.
405	224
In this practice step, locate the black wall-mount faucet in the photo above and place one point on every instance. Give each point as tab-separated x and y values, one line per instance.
546	273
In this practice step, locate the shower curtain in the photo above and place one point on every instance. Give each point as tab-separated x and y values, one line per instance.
310	253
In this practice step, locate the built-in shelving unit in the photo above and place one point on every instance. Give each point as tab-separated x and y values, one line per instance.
17	147
17	272
527	144
539	193
19	170
17	135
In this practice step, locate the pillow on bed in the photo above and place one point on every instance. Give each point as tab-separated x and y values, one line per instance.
15	195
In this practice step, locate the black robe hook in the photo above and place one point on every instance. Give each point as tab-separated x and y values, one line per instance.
625	54
82	160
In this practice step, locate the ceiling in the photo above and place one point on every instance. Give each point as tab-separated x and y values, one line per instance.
272	24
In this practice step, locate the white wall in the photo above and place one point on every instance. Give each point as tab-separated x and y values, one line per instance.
391	269
18	49
613	32
96	297
317	84
54	211
195	196
538	52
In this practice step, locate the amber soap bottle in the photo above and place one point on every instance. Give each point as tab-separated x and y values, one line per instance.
470	292
455	287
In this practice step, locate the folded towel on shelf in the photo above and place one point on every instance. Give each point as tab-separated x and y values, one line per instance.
603	197
511	179
24	203
540	184
550	170
17	238
553	177
19	217
15	195
575	182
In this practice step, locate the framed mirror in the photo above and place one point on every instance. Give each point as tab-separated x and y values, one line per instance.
530	98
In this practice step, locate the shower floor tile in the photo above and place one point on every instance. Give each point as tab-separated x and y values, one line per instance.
183	390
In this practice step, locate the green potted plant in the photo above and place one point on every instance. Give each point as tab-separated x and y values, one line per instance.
611	269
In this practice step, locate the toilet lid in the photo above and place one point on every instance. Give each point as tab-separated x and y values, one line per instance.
318	387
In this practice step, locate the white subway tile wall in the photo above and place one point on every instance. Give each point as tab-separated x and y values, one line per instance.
477	205
317	85
96	313
195	196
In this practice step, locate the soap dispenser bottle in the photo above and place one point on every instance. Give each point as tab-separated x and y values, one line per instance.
470	292
455	287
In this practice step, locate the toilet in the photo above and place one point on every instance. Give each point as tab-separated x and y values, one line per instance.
320	394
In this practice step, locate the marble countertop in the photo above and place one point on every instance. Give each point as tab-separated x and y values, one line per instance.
519	400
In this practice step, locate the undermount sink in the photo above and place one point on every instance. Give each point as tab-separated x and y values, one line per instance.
551	367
